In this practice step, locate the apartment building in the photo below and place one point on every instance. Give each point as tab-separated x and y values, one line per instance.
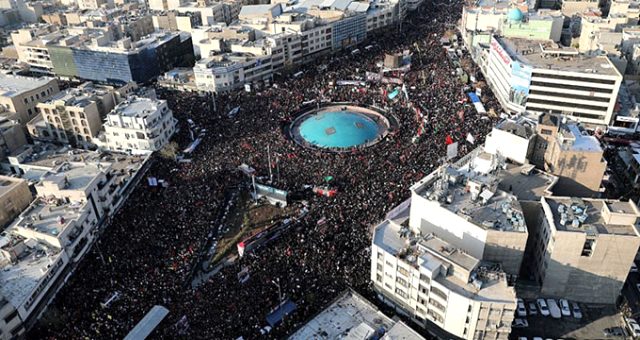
584	247
358	318
14	197
74	116
230	71
21	95
568	152
139	125
453	264
512	139
540	76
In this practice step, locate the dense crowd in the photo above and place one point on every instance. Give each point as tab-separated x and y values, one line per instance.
148	251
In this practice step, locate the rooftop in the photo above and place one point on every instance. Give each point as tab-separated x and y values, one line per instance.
448	265
11	86
19	279
593	216
546	54
351	316
526	182
470	189
49	216
571	137
73	176
79	96
519	128
139	107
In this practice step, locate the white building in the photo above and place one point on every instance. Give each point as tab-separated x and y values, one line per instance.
452	265
139	125
512	140
540	76
230	71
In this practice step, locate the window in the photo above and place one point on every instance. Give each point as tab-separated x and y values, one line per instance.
402	282
587	248
380	256
84	122
379	265
11	316
424	278
439	293
403	271
546	131
401	293
378	277
436	304
81	114
86	131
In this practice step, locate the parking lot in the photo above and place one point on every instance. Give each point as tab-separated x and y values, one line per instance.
595	319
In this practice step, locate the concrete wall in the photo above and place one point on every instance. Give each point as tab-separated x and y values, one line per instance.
506	248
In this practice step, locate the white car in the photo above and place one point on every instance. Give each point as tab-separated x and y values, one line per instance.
576	311
634	268
564	307
522	311
634	328
542	306
532	308
554	309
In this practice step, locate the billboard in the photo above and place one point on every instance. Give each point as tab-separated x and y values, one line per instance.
520	82
504	56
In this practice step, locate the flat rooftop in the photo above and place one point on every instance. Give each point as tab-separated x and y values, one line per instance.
586	215
49	218
11	86
432	253
77	97
74	176
546	54
351	316
473	194
526	182
136	107
19	279
579	141
518	128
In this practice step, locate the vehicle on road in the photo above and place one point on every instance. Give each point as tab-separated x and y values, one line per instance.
564	307
532	308
521	311
633	327
638	286
634	268
614	332
577	313
554	309
519	323
542	306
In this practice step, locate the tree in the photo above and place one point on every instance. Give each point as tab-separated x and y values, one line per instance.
169	151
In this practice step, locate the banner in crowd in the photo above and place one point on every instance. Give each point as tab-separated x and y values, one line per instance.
476	102
452	150
234	111
393	94
350	83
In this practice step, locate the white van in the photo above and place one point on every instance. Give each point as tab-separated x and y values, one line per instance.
554	309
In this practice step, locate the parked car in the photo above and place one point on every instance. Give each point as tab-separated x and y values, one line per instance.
564	307
521	311
634	268
634	328
576	311
542	306
522	338
554	309
532	308
614	331
519	323
638	286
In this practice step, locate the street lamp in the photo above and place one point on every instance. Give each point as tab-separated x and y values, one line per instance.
279	290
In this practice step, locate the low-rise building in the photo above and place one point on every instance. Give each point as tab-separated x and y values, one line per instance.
351	316
513	140
12	135
139	125
231	71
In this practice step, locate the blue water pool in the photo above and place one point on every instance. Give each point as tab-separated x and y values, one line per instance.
342	129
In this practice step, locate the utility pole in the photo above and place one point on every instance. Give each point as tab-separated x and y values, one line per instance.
269	159
279	290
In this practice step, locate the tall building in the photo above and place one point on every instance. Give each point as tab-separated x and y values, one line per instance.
448	256
74	116
124	60
540	76
139	125
571	154
585	247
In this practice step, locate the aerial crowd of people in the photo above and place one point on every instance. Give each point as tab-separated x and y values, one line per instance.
147	253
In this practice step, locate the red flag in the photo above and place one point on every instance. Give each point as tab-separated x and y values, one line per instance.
449	140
